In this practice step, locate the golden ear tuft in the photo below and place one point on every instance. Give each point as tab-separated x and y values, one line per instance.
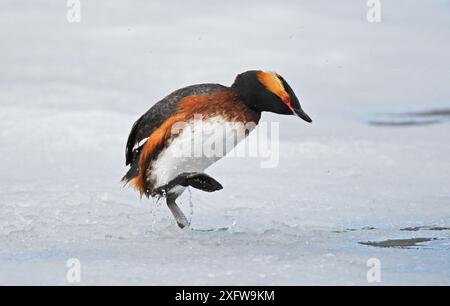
272	83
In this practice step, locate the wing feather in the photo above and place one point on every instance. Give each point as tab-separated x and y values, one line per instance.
156	115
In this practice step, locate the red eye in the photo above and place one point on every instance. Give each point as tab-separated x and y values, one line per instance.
287	101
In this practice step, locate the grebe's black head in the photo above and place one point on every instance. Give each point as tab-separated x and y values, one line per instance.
268	92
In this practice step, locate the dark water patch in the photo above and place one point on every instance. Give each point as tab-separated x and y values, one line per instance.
407	119
369	228
208	230
365	228
431	113
403	123
398	243
425	228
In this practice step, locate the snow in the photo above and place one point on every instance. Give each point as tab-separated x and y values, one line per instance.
70	92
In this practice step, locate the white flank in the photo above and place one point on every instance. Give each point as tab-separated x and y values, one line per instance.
199	144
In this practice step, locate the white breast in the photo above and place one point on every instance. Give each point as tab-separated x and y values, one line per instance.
198	145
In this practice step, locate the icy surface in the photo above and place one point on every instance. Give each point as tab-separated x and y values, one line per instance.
69	94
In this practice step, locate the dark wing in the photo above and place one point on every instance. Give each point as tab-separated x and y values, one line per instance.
159	113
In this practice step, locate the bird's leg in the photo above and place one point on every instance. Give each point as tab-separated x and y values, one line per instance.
181	219
201	181
197	180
